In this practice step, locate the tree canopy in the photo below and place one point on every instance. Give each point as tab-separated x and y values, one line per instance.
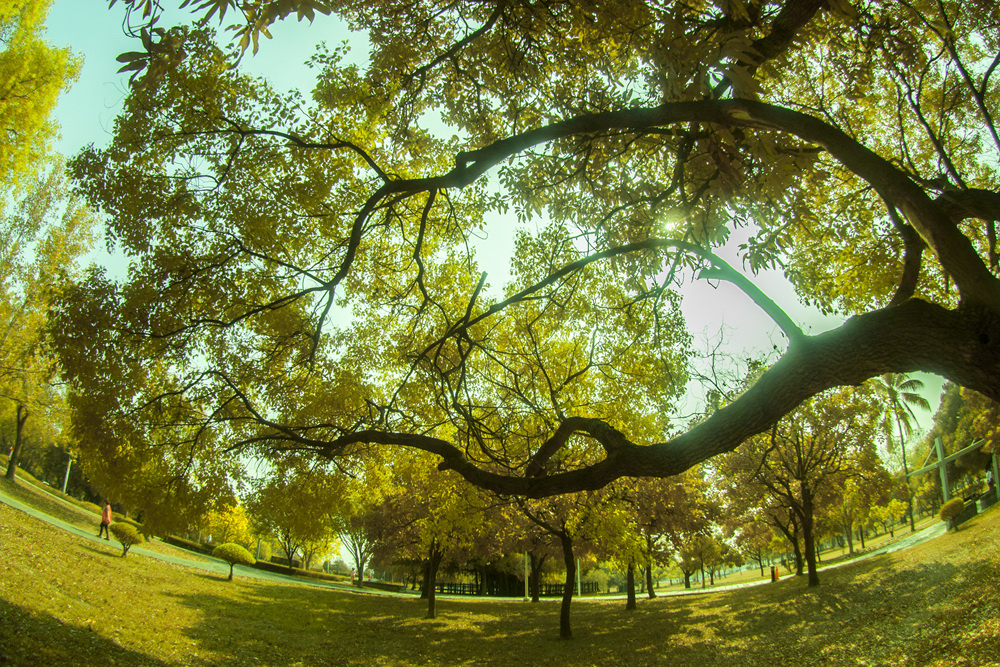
306	269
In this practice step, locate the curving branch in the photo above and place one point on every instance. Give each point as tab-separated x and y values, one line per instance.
975	282
962	346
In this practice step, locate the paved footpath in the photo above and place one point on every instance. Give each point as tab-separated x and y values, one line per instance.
221	567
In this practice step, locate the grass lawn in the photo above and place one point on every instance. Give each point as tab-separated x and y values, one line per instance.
65	600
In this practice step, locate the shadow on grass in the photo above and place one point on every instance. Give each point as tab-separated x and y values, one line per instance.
30	639
117	553
856	613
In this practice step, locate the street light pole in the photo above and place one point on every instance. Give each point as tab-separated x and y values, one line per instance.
66	476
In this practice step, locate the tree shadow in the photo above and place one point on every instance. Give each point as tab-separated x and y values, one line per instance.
30	638
117	553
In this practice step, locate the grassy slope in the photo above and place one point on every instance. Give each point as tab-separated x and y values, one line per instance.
85	516
66	600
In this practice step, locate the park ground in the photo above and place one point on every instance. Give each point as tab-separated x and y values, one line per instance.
66	599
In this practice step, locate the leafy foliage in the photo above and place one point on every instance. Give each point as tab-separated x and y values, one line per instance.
32	74
951	509
234	554
126	534
305	273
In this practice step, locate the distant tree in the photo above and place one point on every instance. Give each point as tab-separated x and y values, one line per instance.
572	521
903	394
888	514
233	554
829	438
126	534
752	535
294	504
228	522
42	235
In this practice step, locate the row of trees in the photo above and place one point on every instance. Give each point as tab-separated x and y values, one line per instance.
816	476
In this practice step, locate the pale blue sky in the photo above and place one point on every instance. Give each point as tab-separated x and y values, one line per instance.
86	113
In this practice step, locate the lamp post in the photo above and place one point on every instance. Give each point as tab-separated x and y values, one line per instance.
69	463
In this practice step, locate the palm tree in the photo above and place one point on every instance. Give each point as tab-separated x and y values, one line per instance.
903	394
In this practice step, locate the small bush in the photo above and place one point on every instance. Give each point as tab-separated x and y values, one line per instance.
127	534
233	554
951	509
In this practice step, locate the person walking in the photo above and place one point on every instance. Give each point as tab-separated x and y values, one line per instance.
105	522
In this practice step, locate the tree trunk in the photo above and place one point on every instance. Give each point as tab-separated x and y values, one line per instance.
850	540
687	580
360	563
21	417
702	575
231	571
433	561
424	593
565	631
649	581
861	534
536	575
630	585
906	477
807	534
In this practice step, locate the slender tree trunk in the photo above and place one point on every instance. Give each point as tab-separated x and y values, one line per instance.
850	540
807	534
565	631
360	563
630	585
536	575
906	477
649	581
433	561
861	534
424	593
21	417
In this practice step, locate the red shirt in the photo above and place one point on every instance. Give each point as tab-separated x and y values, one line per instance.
106	517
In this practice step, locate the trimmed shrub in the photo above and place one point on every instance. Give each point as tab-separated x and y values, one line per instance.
127	534
233	553
950	511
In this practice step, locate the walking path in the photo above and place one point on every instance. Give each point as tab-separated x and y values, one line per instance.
221	567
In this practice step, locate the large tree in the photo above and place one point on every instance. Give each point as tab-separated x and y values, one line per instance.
810	453
303	271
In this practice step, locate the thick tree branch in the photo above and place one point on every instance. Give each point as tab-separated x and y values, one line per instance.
956	253
963	345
